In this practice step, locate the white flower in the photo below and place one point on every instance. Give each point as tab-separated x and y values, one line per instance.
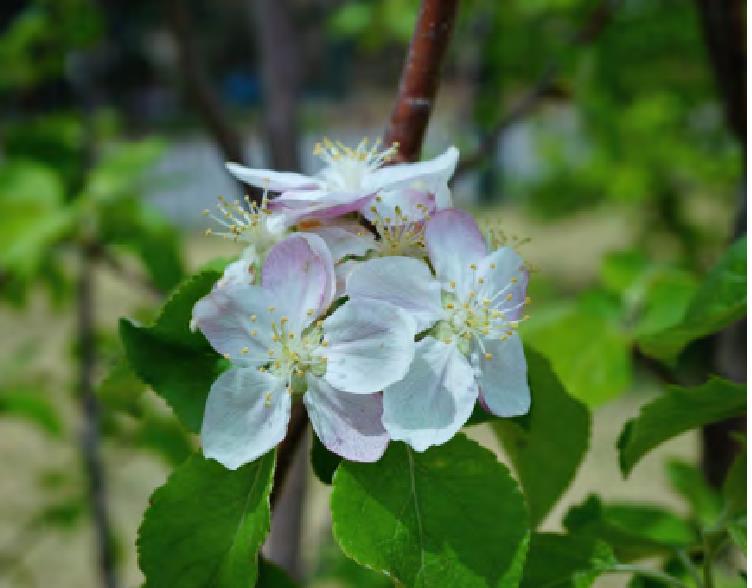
278	346
472	350
349	180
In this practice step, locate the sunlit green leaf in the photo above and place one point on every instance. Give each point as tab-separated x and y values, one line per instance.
677	411
427	514
547	452
204	527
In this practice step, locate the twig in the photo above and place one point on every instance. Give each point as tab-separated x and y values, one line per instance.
419	81
105	255
590	30
200	90
286	450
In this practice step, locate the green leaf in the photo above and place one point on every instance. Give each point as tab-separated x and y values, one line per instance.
323	461
32	215
737	530
179	364
688	481
204	527
720	300
32	407
677	411
632	530
587	350
561	561
451	516
735	486
546	453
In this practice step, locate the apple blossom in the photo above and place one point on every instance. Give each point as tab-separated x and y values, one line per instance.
466	319
350	180
279	344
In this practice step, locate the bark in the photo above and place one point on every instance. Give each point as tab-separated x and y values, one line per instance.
280	73
419	82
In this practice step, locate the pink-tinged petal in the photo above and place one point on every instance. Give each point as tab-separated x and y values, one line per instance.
434	174
504	281
320	248
298	273
413	205
235	320
454	242
369	345
503	378
246	415
347	239
347	424
402	281
435	398
272	180
319	204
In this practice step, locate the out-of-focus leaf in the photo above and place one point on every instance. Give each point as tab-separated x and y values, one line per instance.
121	390
720	300
547	453
688	481
427	515
737	530
735	486
211	521
677	411
632	530
32	215
164	436
587	350
179	364
32	407
668	293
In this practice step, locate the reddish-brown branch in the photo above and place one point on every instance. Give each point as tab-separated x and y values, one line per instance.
286	451
419	82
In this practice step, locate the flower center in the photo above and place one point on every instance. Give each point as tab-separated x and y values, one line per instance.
253	223
346	167
472	318
398	233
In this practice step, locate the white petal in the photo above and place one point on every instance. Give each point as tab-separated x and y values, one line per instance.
504	281
246	415
298	273
349	239
271	180
402	281
347	424
370	345
435	398
454	242
342	271
414	206
503	379
241	271
434	173
235	317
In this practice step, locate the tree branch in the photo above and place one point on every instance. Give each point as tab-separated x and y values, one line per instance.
590	30
419	81
286	451
197	81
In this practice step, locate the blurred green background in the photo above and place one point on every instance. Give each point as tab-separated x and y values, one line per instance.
603	134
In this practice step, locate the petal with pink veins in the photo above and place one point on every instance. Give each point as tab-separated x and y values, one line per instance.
347	424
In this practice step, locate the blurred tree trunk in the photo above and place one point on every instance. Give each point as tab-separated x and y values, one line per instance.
278	49
723	27
280	76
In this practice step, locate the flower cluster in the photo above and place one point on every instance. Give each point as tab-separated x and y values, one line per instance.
364	292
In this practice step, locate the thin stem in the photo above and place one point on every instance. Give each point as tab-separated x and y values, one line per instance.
647	572
690	567
707	563
90	439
